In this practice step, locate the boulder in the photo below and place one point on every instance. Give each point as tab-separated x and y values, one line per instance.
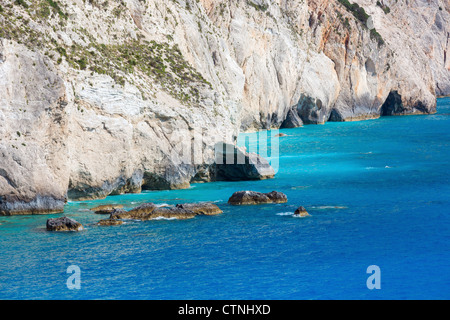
235	164
280	135
277	197
107	208
63	224
301	212
252	197
204	208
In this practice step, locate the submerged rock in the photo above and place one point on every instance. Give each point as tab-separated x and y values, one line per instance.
301	212
252	197
205	208
281	135
107	208
63	224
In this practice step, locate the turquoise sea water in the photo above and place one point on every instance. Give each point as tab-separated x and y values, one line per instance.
377	191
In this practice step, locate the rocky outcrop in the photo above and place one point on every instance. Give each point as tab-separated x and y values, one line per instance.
172	213
109	222
98	99
233	163
63	224
204	208
292	120
301	212
277	197
252	197
142	212
107	208
150	211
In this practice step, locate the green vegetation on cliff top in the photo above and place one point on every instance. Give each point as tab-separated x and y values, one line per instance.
161	62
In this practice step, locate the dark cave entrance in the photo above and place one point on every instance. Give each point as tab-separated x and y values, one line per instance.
393	105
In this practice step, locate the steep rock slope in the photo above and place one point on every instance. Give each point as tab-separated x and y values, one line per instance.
107	97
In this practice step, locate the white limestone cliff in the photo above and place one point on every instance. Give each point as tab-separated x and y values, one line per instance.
100	97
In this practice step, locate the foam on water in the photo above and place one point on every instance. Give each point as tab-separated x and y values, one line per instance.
285	213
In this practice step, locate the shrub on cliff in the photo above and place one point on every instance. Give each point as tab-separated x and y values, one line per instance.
356	10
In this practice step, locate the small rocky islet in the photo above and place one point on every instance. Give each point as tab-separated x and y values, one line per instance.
63	224
301	212
252	197
152	211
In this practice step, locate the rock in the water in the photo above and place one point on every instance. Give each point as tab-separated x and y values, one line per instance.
150	211
110	222
107	208
205	208
281	135
277	197
63	224
252	197
172	213
292	120
301	212
142	212
233	163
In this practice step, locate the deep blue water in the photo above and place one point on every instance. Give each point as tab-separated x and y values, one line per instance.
377	191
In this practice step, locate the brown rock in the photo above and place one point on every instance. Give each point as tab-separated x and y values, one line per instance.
171	213
277	197
142	212
107	208
301	212
149	211
252	197
204	208
63	224
109	222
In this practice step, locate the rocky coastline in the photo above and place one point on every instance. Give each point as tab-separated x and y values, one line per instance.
119	97
151	211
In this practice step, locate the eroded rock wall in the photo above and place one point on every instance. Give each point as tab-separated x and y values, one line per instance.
106	97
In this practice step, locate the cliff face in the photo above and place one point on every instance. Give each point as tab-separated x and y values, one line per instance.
106	97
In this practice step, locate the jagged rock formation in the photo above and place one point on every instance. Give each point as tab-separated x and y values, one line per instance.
107	97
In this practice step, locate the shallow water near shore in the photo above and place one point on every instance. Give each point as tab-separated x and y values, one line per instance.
377	191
